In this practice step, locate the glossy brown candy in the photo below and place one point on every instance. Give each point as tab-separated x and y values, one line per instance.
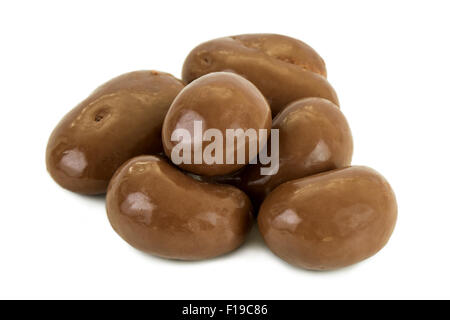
314	136
217	101
329	220
283	68
121	119
158	209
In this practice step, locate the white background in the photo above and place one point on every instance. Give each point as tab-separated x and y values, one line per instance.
389	62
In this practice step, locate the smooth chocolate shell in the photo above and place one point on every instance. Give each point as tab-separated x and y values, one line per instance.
121	119
329	220
314	136
158	209
220	101
284	69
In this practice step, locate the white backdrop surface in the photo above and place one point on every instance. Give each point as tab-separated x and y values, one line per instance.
388	61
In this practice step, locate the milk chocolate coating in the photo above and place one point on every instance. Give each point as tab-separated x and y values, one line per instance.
158	209
329	220
221	101
283	68
314	136
121	119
